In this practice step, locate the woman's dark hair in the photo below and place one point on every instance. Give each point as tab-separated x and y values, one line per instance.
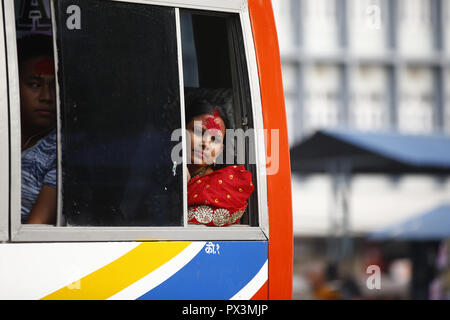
198	107
32	46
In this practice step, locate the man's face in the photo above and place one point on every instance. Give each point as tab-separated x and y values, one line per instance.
37	93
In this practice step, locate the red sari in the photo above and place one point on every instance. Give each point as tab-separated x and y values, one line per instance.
219	198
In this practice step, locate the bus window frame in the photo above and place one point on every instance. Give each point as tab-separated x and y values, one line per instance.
4	137
47	233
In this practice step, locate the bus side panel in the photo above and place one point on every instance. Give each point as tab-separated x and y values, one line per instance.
279	173
134	270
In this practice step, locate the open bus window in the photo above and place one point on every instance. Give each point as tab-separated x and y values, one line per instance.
221	175
37	112
119	90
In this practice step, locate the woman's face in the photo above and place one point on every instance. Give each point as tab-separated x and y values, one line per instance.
206	133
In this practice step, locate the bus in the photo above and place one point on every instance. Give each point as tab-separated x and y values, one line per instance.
124	71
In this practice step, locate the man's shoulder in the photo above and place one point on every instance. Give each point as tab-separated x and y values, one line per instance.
47	146
49	141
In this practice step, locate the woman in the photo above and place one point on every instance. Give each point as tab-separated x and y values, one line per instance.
216	196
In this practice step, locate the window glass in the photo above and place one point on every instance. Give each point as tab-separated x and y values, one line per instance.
4	140
119	90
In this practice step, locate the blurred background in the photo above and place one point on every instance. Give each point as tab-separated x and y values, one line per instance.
367	90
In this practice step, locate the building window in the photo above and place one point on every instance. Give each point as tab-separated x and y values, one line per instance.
415	110
320	26
447	105
368	98
284	18
321	96
415	27
125	73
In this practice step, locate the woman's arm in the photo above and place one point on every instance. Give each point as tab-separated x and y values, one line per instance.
44	209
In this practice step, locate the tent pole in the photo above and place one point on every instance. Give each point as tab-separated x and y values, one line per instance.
339	243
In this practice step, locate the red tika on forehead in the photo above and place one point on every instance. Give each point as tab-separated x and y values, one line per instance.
212	122
44	66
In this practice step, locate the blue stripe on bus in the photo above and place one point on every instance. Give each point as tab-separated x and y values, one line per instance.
214	276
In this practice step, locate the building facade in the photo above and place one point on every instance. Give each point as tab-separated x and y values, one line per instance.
365	64
371	65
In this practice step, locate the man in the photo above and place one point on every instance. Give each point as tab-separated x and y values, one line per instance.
38	121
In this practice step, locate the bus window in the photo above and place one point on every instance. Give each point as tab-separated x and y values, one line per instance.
108	141
119	91
216	88
4	138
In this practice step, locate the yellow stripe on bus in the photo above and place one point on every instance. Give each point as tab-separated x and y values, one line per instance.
120	273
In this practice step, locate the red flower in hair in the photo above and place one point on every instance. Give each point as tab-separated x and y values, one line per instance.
212	122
